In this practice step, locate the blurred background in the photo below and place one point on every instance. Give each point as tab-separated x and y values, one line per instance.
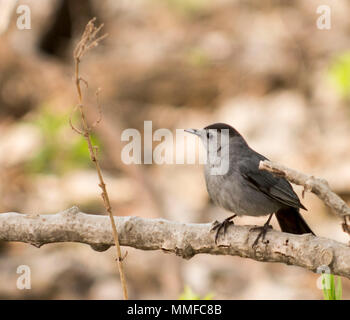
262	66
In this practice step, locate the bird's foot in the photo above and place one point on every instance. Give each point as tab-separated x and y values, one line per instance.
346	227
263	230
218	226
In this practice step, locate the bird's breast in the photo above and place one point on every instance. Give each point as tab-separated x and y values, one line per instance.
234	194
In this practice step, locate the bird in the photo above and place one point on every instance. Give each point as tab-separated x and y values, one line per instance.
242	188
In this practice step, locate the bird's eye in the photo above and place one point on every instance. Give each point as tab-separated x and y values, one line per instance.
208	135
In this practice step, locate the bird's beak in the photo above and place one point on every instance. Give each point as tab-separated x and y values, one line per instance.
194	131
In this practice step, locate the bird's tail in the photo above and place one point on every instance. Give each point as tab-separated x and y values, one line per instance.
291	221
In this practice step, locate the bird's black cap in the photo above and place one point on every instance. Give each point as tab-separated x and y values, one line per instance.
219	126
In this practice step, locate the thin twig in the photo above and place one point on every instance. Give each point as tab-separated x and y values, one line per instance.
90	40
71	121
97	93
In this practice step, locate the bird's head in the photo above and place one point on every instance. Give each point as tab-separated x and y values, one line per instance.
216	136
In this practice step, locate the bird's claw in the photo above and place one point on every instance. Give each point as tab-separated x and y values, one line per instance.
263	230
219	225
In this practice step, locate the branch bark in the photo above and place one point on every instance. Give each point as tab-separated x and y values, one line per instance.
185	240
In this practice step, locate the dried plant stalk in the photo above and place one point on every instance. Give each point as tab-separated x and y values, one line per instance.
88	41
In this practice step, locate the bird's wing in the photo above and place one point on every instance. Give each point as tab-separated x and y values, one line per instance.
274	187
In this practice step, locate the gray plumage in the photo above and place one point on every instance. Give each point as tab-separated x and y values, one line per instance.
244	189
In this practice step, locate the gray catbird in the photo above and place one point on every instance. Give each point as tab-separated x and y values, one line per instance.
244	189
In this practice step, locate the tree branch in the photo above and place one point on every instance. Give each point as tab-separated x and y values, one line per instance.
185	240
318	186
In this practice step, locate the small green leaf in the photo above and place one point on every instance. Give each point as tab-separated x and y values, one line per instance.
330	290
339	290
339	73
188	294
